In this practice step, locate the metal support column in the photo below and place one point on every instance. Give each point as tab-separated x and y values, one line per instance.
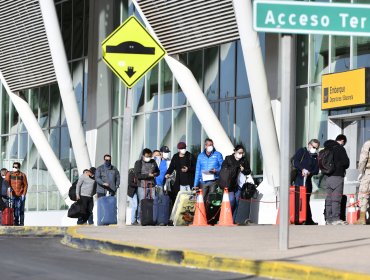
125	158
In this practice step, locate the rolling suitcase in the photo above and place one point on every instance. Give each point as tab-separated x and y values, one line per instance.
163	209
148	213
107	210
7	215
297	205
242	216
184	208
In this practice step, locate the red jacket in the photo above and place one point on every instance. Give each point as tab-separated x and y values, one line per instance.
18	182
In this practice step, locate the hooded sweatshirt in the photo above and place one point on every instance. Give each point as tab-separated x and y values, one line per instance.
341	160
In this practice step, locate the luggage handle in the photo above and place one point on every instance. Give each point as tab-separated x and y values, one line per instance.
151	189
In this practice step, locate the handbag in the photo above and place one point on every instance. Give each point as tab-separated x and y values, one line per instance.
76	210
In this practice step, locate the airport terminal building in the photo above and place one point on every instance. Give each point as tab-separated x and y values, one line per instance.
161	111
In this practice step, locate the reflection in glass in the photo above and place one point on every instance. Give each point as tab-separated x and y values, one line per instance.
14	120
78	29
67	27
165	129
319	57
12	148
301	118
165	98
77	77
179	96
227	70
242	84
152	90
137	141
151	128
54	105
195	64
44	106
24	95
302	60
64	148
227	118
361	52
340	54
5	112
243	124
179	125
23	147
194	133
318	118
211	73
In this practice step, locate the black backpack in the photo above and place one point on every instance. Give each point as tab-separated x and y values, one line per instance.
326	161
72	191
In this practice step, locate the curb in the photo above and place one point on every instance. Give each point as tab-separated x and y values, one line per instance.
32	231
185	258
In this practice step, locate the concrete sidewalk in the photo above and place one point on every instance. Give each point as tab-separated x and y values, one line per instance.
334	248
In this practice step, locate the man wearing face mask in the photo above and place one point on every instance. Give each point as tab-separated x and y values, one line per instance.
18	182
335	180
305	161
164	162
107	177
85	189
146	170
208	167
157	156
183	163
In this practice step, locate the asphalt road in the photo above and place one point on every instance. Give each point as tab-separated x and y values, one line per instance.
32	258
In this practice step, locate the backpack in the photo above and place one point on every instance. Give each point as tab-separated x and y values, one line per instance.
72	191
326	161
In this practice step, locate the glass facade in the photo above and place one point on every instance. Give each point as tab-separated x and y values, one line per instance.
45	102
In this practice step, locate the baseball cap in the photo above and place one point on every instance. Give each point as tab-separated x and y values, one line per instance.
165	149
181	145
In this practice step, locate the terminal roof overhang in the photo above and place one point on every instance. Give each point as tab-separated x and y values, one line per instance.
188	25
25	58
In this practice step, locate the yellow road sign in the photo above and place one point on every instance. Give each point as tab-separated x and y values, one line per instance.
130	51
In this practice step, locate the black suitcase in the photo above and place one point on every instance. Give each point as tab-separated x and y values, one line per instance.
242	216
147	215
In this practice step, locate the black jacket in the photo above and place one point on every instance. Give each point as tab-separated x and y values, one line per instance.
183	178
230	170
145	177
341	160
303	159
132	183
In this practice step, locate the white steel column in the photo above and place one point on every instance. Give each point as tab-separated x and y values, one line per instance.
65	84
196	97
259	90
43	147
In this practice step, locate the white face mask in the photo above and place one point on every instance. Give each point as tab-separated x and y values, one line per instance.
209	149
182	151
238	156
313	150
147	159
15	169
3	176
166	155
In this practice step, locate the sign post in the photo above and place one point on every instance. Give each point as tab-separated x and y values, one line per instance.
130	51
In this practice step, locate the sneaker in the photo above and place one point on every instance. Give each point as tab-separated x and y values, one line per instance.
339	223
135	223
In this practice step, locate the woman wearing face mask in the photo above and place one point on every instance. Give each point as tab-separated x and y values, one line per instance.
306	164
231	166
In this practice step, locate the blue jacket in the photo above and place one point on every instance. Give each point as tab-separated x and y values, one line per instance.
160	180
304	160
206	163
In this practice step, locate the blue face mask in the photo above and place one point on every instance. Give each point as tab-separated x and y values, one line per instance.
107	163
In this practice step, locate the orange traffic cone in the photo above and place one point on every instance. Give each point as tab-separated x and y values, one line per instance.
200	217
226	216
352	213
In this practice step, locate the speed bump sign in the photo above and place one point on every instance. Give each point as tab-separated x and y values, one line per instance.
130	51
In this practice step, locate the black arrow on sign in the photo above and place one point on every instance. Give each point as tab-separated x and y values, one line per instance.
130	71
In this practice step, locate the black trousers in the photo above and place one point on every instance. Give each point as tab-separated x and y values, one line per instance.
88	204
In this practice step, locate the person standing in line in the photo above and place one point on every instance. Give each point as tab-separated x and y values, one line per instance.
305	161
335	180
207	169
85	190
183	162
364	178
107	177
163	166
230	169
17	180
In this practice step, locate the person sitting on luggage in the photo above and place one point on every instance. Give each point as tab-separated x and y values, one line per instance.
85	190
230	169
207	169
305	161
107	177
183	162
146	170
163	166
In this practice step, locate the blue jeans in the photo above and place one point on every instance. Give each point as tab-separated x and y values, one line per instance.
133	204
18	204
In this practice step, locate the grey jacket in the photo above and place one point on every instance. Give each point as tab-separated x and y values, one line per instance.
107	175
85	186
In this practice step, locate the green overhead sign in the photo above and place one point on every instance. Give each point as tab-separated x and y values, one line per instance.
311	18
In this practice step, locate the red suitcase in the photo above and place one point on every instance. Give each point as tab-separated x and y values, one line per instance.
7	217
297	205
